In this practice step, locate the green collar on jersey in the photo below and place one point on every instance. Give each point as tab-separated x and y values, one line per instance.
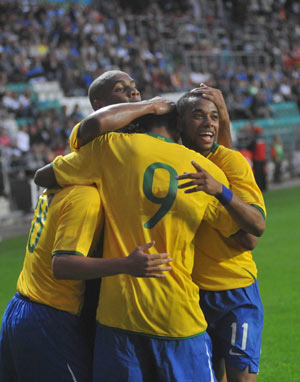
214	147
161	137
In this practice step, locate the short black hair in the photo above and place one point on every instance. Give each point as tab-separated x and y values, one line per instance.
168	120
184	101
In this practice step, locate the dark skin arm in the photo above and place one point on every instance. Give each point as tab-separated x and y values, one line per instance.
139	264
249	218
216	96
245	240
45	177
104	120
114	117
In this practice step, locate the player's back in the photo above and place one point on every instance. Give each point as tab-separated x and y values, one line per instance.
142	202
136	177
48	237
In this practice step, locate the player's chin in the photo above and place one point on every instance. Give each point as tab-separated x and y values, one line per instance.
203	146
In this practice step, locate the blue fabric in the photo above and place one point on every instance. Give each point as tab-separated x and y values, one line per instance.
40	343
226	196
235	322
121	356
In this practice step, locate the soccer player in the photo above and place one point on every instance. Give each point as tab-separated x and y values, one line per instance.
41	335
224	271
112	87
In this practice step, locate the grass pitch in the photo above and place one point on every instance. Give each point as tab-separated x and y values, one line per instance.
278	259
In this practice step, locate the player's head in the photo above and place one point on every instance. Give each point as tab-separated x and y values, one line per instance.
111	87
156	123
198	121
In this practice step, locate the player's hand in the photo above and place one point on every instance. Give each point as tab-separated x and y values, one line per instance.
216	96
161	105
202	181
143	264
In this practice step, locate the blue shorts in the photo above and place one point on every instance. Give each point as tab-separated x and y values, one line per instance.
40	343
122	356
235	321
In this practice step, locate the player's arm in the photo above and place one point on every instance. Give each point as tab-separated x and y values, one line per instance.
45	177
216	96
139	264
114	117
245	240
76	168
104	120
249	218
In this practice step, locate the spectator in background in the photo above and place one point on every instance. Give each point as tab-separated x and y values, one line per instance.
76	115
5	139
74	44
277	157
26	106
260	106
10	101
259	154
23	140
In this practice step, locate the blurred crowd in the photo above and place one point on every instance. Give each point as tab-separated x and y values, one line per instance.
248	49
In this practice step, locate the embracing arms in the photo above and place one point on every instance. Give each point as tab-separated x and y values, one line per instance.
248	217
138	264
114	117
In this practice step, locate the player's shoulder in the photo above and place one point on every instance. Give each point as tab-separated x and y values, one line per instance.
227	155
114	136
73	138
232	153
82	195
194	155
207	164
84	190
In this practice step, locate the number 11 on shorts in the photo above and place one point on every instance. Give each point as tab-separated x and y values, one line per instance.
245	333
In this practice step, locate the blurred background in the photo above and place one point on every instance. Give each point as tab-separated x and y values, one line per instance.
50	51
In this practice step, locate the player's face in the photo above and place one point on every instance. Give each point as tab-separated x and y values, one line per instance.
200	125
121	89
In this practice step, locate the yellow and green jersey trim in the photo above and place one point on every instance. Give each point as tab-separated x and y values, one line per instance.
260	209
214	147
160	137
67	253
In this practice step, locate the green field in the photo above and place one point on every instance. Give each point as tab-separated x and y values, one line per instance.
278	260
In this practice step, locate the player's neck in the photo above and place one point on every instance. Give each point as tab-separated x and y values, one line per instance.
163	131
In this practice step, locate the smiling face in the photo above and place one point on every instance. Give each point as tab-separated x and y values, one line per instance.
199	124
111	88
121	89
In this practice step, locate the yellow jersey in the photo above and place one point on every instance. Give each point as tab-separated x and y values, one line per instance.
220	263
65	221
73	140
136	178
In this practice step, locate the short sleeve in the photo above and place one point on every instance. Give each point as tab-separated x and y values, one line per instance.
73	138
80	221
81	167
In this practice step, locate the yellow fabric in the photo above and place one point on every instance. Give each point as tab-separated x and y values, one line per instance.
65	221
220	263
135	174
73	140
